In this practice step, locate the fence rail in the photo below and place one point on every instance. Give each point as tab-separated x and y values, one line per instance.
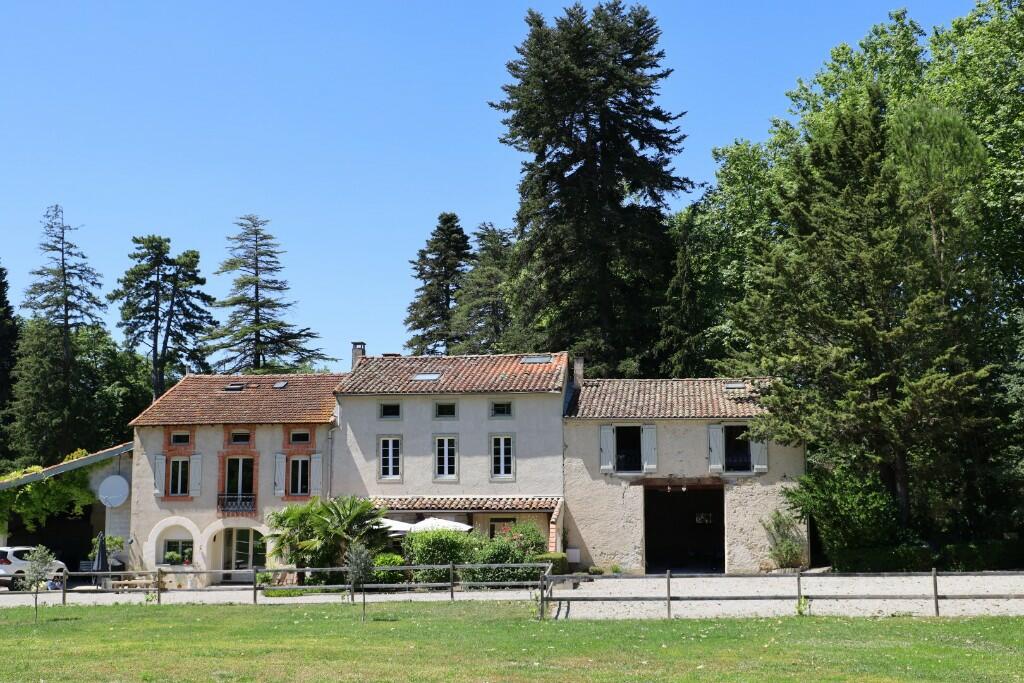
154	580
548	582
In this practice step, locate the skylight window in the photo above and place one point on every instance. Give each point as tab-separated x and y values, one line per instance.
427	376
735	385
235	386
281	385
539	358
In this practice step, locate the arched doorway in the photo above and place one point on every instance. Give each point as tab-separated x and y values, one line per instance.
244	551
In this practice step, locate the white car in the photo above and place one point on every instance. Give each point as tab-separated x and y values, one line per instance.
14	560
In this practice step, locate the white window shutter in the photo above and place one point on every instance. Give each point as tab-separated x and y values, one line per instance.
759	455
716	448
279	464
649	447
607	448
316	474
159	472
195	475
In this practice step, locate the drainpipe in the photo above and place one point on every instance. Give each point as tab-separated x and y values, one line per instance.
330	460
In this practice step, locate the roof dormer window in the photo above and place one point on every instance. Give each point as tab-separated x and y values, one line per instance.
427	376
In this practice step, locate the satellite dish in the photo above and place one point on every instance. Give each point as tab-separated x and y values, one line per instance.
113	491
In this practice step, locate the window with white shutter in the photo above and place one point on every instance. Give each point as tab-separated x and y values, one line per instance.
195	475
280	462
159	474
649	447
607	448
716	448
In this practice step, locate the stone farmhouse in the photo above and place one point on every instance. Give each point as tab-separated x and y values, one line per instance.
643	474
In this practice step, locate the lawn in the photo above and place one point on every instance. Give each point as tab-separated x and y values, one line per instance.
489	641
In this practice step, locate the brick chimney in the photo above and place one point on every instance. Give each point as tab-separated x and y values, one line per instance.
358	351
577	371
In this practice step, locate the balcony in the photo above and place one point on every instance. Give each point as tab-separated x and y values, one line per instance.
236	503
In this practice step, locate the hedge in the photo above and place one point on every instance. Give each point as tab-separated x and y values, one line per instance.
389	560
902	558
559	562
982	555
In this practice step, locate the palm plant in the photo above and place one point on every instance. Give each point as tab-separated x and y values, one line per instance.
319	533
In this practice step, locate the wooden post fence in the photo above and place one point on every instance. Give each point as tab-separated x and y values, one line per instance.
540	602
935	590
254	591
668	593
159	583
451	581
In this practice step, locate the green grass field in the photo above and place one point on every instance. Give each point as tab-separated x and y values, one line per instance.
489	641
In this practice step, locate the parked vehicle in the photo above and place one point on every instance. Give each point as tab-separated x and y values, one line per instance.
14	560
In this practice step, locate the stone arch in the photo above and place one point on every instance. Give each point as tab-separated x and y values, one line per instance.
149	548
217	526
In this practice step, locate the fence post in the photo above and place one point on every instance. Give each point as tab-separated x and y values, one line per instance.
935	590
668	592
451	581
540	602
799	586
64	588
159	583
254	585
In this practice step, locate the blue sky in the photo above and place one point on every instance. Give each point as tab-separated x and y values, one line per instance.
350	126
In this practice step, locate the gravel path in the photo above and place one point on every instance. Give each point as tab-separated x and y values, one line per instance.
785	585
779	591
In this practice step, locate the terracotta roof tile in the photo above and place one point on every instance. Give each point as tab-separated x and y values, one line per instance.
456	374
201	399
468	503
667	398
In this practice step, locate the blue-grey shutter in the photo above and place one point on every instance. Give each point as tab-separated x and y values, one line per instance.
279	463
649	447
607	448
759	455
195	475
316	474
159	472
716	448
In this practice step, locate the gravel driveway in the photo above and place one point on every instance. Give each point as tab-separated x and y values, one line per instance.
779	591
785	585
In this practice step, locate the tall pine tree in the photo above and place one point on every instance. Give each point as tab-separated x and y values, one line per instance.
256	337
163	308
64	293
8	347
482	316
441	268
593	250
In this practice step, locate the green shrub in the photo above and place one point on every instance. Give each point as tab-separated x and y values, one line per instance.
901	558
389	560
519	544
850	507
440	546
559	563
785	540
616	569
264	578
982	555
595	571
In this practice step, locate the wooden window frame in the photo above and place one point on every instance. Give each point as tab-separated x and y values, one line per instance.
511	476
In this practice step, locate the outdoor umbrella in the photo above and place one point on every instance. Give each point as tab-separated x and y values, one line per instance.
395	527
437	523
100	564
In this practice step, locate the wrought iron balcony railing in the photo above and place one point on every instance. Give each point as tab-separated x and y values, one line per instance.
236	502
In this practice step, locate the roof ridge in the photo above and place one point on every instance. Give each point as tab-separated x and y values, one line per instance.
439	356
675	379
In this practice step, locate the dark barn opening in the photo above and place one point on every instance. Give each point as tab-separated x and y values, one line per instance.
684	530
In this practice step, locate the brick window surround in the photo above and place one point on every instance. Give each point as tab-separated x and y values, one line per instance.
246	450
292	450
173	452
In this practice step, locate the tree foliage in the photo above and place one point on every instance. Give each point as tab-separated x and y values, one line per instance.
441	268
592	249
164	309
319	533
482	317
256	337
8	347
38	501
108	386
